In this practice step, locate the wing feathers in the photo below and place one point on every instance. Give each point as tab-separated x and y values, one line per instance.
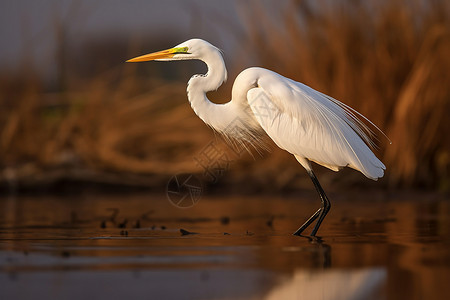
313	125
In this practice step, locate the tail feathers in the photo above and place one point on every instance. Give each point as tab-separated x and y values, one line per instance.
372	168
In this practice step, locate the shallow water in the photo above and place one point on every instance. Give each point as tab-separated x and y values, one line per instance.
384	246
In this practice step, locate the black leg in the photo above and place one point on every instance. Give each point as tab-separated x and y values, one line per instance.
308	222
321	212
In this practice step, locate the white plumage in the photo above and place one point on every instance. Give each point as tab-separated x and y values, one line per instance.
310	125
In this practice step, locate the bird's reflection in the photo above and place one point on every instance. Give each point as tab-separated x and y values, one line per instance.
322	281
332	284
321	252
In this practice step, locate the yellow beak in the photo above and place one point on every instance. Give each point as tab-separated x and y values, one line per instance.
169	53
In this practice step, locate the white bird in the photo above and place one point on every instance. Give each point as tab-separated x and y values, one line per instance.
310	125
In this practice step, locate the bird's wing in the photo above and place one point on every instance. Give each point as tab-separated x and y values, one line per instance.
312	125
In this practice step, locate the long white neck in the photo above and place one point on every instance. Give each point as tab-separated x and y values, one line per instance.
218	116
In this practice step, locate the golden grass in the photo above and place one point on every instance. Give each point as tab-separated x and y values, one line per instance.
387	59
103	127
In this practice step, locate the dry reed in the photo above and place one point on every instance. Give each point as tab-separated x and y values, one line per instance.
387	59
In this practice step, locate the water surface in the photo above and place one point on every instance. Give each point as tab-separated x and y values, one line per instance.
384	246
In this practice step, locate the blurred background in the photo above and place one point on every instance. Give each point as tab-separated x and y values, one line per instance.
73	113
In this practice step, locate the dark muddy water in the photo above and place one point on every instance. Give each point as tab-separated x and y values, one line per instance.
382	246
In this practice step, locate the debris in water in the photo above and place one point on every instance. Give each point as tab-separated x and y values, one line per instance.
123	224
185	232
137	225
270	221
225	220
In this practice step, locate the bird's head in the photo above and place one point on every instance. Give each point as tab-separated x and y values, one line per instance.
191	49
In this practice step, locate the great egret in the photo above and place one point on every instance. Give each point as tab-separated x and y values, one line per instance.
310	125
